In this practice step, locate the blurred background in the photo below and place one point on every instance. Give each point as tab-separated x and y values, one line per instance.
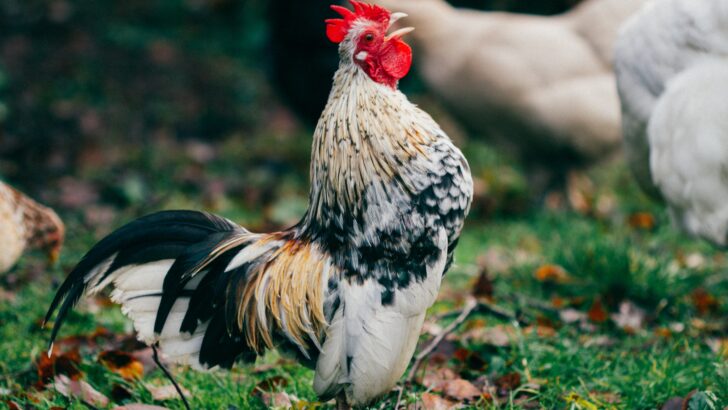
94	95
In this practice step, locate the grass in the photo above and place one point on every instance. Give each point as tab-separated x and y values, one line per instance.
561	364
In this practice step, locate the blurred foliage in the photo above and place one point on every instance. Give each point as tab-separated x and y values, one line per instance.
82	73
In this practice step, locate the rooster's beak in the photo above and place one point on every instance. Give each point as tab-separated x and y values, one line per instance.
399	33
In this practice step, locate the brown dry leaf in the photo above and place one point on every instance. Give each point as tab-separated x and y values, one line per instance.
122	363
663	332
597	341
435	380
718	346
597	313
630	318
558	302
11	405
460	389
542	331
607	397
703	301
483	287
571	316
434	402
65	364
166	392
139	406
507	383
499	335
642	220
580	192
675	403
79	389
278	399
7	296
552	274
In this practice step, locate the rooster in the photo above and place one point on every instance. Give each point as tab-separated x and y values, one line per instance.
346	289
672	74
26	224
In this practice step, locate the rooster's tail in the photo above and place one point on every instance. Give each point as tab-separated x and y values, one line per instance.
174	273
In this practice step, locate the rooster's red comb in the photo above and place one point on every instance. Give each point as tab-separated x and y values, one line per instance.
336	29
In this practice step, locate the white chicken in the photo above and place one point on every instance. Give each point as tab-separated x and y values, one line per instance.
543	86
672	71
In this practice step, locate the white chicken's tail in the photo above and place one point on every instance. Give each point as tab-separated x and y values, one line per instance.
688	138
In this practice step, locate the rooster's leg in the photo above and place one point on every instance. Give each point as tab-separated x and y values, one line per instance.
341	403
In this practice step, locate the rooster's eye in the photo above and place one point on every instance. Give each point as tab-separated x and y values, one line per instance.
369	37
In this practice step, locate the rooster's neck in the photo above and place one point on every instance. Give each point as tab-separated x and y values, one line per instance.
367	136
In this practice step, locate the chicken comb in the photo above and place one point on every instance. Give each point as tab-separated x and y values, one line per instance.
336	29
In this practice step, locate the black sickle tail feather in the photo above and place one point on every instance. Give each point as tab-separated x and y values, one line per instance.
188	237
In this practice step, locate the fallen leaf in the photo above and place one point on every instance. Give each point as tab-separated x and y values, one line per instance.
495	259
508	383
630	318
498	335
675	403
598	341
597	313
703	301
460	389
11	405
719	346
557	302
571	316
122	363
580	192
65	364
483	287
435	380
434	402
166	392
607	397
552	274
278	399
663	332
544	327
642	220
79	389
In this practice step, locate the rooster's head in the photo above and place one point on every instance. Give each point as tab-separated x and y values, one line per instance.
362	35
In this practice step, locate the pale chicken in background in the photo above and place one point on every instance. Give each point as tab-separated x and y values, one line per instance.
544	86
26	224
672	71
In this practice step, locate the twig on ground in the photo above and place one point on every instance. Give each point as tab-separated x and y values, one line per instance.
483	307
399	397
470	305
536	304
155	357
499	312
